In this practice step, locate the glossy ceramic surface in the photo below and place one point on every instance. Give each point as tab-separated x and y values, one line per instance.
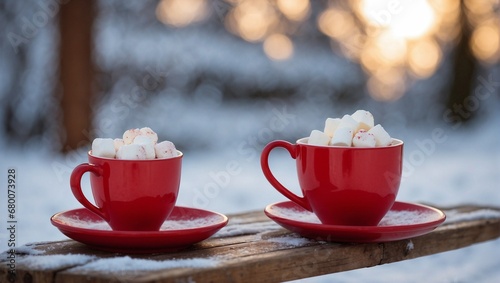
342	185
84	226
131	195
361	234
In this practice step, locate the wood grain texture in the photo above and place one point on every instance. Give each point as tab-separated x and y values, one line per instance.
250	249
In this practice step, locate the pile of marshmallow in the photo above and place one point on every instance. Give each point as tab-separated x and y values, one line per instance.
356	130
136	144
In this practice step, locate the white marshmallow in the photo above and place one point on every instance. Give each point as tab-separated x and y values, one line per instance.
131	152
165	149
148	132
318	138
147	144
382	138
348	122
331	125
363	139
364	118
118	143
103	148
142	140
129	135
342	137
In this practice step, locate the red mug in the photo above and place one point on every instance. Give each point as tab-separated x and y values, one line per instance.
131	195
342	185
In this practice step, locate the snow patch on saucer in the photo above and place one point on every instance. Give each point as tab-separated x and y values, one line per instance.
76	221
173	224
127	263
178	224
407	217
295	214
392	218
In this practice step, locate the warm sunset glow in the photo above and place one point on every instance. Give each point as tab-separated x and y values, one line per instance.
399	42
295	10
402	18
394	41
278	47
181	13
416	20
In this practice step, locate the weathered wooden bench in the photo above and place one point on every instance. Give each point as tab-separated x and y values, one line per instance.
251	248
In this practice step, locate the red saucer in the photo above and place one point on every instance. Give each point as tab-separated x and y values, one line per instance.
403	221
184	227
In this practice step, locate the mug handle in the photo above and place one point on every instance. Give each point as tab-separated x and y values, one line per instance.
264	163
76	188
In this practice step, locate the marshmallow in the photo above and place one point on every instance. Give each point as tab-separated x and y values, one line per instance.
165	149
342	137
103	148
331	125
147	144
382	138
364	118
363	139
146	131
348	122
129	135
137	144
318	138
131	152
118	143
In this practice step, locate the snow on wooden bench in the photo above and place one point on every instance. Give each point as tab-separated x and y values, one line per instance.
251	248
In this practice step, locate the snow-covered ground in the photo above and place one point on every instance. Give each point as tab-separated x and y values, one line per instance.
443	166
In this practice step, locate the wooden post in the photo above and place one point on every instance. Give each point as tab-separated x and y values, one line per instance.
76	71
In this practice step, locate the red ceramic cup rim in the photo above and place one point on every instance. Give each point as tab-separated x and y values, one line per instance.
395	142
180	154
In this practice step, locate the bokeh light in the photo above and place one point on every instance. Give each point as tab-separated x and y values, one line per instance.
266	21
336	23
278	47
296	10
485	42
424	57
181	13
252	19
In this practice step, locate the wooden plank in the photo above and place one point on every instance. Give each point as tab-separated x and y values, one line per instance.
250	249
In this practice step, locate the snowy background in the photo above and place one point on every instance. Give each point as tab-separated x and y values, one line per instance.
215	130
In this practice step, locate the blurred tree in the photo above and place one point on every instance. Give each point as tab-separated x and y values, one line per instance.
464	66
15	57
76	71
